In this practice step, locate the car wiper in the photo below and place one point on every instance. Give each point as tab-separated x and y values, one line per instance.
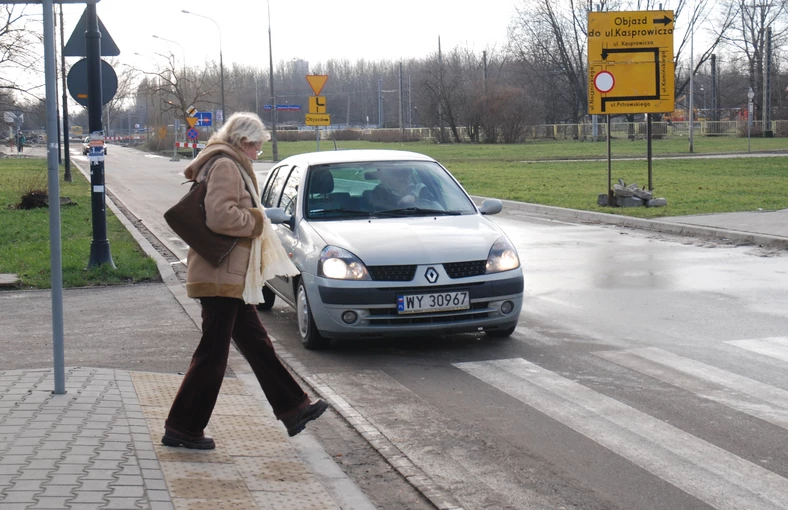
417	210
349	212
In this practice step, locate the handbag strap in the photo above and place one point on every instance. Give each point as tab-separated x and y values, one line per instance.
202	175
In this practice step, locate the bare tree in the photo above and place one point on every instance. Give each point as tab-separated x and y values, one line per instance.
752	20
20	43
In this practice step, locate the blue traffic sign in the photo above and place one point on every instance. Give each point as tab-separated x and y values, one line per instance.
192	134
204	119
295	107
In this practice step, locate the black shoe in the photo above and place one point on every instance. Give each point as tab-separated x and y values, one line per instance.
172	438
311	412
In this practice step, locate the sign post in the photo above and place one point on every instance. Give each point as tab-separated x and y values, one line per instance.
630	68
317	115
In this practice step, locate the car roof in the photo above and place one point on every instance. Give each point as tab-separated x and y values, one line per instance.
354	156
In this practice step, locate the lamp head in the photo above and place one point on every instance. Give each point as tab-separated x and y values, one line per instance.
750	94
185	11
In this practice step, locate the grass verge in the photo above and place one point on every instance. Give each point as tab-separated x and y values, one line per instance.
24	234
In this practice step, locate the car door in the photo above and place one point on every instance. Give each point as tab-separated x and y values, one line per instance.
270	197
289	203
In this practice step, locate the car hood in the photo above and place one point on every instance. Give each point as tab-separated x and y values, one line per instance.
412	240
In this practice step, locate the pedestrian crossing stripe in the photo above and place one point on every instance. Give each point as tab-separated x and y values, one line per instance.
711	474
735	391
774	347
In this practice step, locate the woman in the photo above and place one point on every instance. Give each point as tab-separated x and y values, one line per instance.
229	292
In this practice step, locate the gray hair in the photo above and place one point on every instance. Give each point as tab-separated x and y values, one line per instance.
240	128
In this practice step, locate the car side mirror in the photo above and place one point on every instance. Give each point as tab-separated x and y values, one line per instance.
491	206
277	215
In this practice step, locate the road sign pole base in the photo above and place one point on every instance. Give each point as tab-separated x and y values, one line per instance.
100	254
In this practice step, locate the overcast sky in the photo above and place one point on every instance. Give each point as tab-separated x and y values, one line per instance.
312	30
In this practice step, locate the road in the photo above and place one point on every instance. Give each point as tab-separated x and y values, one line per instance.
647	371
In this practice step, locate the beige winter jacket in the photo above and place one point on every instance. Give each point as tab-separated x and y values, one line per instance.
229	210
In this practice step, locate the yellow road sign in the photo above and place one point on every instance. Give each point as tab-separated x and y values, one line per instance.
317	104
191	110
162	131
630	62
318	119
192	121
317	82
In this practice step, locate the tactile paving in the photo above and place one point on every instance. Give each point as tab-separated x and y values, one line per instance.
212	504
167	454
200	470
207	488
293	501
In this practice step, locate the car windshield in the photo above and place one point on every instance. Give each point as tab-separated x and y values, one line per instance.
383	189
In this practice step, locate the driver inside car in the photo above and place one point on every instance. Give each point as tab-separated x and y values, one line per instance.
397	189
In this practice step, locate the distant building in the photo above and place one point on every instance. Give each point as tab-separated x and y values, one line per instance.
300	67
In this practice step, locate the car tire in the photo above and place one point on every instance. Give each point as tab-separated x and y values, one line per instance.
500	333
310	336
269	298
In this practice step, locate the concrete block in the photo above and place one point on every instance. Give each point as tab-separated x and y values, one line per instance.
628	202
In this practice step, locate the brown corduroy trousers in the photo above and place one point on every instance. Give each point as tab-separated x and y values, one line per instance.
223	319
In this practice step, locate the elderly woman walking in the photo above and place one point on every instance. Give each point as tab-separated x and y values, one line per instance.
228	293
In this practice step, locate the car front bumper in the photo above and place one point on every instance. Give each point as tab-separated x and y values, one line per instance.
374	304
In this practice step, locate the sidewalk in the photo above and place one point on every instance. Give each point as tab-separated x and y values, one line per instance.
98	445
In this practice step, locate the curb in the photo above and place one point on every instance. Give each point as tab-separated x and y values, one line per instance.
666	227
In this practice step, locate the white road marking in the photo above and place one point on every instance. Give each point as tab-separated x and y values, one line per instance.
709	473
735	391
774	347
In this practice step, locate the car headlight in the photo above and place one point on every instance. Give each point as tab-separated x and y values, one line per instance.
340	264
502	257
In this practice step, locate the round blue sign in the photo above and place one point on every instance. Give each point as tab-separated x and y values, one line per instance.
192	134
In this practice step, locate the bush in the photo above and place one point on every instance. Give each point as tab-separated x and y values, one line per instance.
33	199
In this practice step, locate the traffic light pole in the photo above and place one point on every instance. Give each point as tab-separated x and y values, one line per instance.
99	248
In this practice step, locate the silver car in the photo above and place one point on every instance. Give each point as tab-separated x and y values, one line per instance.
388	244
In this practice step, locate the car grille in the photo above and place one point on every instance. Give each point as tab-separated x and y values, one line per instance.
465	269
390	317
392	273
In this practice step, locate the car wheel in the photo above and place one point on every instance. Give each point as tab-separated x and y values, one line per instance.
500	333
310	336
269	298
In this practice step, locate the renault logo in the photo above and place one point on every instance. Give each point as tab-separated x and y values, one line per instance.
431	275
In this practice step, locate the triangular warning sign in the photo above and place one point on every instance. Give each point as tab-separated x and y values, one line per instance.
317	82
192	121
75	47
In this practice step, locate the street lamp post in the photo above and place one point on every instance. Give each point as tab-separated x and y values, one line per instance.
750	96
274	145
221	63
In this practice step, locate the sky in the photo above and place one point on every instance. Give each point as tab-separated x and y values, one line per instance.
311	30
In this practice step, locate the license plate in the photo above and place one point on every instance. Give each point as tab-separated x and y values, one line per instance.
437	302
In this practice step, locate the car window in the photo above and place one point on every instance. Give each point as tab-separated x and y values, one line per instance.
273	190
290	192
347	190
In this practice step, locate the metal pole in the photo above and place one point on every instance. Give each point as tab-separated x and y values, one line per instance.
66	143
53	181
648	149
401	126
609	166
380	104
274	145
99	248
692	85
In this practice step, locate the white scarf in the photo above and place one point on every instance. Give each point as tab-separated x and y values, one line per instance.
267	258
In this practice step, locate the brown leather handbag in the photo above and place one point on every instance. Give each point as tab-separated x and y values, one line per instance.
187	219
